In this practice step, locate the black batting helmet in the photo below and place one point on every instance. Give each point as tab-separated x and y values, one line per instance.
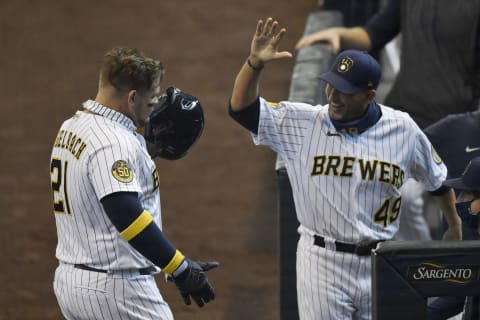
175	124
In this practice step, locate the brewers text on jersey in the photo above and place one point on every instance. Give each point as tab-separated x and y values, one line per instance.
343	166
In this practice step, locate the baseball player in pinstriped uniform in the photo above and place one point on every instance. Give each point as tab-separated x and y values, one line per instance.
107	204
346	162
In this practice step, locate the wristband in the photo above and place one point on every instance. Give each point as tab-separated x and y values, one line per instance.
180	268
174	263
256	68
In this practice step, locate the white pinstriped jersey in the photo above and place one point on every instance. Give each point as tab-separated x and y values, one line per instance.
346	187
95	154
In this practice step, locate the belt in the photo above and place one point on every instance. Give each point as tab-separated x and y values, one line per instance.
363	249
143	271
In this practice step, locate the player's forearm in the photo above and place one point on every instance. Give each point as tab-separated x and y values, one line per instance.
136	226
446	203
354	38
247	85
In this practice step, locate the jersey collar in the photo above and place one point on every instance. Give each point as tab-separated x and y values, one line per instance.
358	126
111	114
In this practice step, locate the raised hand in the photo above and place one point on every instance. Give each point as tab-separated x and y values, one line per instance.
265	43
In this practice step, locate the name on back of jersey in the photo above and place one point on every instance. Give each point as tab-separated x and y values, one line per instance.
71	142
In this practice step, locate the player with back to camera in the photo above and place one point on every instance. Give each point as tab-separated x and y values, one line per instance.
107	200
346	162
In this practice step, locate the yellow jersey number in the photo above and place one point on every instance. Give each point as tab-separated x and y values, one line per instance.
388	211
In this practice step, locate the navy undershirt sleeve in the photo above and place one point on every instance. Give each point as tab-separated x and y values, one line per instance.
385	25
122	208
248	117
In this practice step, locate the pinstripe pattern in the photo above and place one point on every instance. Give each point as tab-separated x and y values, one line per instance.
117	295
338	197
323	296
85	234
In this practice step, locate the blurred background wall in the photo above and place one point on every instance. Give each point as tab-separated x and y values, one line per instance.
218	203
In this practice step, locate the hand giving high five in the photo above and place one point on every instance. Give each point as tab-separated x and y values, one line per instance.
265	43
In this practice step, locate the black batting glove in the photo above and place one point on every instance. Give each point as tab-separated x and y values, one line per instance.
193	282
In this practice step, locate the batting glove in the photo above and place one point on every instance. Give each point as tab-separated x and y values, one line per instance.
193	282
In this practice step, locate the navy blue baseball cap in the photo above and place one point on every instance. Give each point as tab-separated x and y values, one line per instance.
470	179
353	71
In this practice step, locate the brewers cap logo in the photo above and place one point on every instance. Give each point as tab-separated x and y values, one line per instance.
345	65
435	156
122	171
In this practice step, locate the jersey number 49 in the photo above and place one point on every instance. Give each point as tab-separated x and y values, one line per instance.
388	212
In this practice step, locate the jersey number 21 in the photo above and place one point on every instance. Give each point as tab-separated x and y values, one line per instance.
58	175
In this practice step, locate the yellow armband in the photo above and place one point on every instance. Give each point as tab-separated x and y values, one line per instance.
137	226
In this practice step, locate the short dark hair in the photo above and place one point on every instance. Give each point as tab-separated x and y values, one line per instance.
129	69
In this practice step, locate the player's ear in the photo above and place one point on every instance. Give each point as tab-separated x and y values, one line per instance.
328	89
131	96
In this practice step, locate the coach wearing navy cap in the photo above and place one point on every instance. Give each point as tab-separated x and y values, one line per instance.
351	89
470	179
346	161
468	200
468	208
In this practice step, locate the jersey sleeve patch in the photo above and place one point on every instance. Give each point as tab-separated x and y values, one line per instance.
436	156
122	171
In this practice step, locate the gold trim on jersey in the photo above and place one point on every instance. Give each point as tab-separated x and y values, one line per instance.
174	263
122	171
436	156
272	104
137	226
156	179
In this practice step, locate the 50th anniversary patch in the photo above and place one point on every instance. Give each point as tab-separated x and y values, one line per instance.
122	172
431	272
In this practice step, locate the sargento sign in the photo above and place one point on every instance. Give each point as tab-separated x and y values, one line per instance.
427	271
